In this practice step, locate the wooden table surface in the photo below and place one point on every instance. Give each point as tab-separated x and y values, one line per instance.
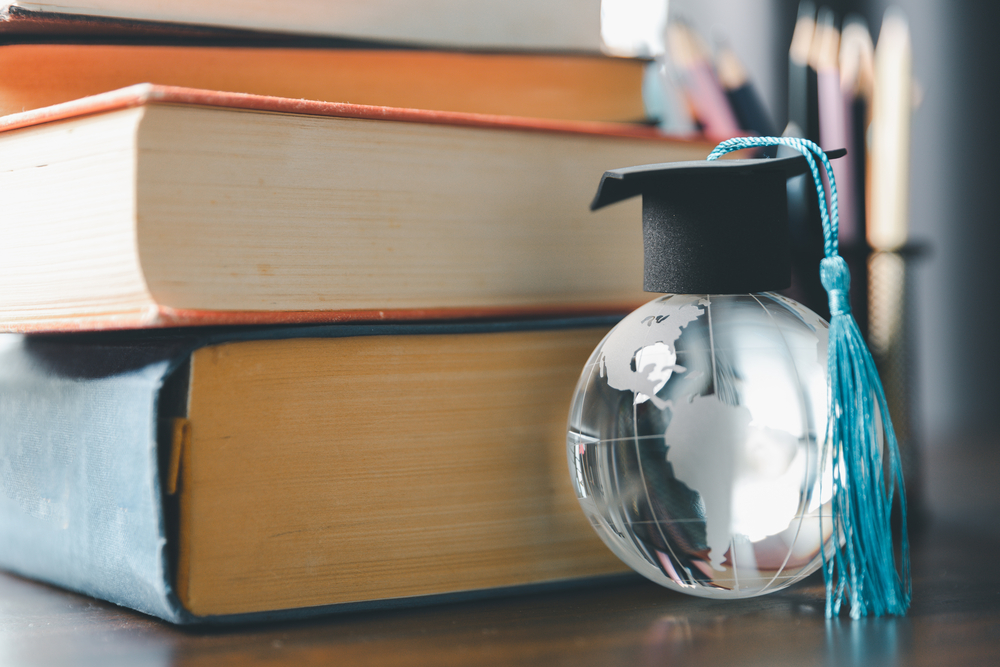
954	620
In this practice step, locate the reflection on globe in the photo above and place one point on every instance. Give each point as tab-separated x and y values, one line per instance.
696	442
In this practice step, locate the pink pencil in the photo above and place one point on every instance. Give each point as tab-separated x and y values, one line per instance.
835	126
701	87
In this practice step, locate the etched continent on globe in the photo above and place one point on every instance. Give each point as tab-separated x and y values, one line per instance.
641	356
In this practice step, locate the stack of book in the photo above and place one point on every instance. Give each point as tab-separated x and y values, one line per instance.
293	322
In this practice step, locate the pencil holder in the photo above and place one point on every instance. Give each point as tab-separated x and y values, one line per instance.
890	311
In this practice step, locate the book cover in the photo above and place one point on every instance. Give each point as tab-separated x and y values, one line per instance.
244	474
535	85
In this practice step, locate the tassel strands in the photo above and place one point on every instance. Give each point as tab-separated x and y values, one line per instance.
862	566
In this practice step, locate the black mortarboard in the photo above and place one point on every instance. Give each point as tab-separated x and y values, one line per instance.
711	227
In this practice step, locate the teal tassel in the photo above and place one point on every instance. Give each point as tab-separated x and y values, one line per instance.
862	565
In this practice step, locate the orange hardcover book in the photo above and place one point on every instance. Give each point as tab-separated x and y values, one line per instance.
156	206
538	85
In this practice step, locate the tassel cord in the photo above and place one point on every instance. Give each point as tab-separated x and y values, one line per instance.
862	565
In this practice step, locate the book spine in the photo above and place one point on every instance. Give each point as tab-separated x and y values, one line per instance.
80	505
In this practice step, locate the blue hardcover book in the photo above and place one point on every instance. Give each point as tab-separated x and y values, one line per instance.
229	475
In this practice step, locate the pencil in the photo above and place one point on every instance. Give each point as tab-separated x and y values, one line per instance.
802	116
890	142
857	80
743	97
834	120
668	102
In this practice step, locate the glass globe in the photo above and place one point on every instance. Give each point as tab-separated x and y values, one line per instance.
696	442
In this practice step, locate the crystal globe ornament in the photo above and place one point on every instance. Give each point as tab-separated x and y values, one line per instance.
696	438
726	441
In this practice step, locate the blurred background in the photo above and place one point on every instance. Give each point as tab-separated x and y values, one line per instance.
953	180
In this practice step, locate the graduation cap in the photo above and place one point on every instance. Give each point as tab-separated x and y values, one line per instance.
717	227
